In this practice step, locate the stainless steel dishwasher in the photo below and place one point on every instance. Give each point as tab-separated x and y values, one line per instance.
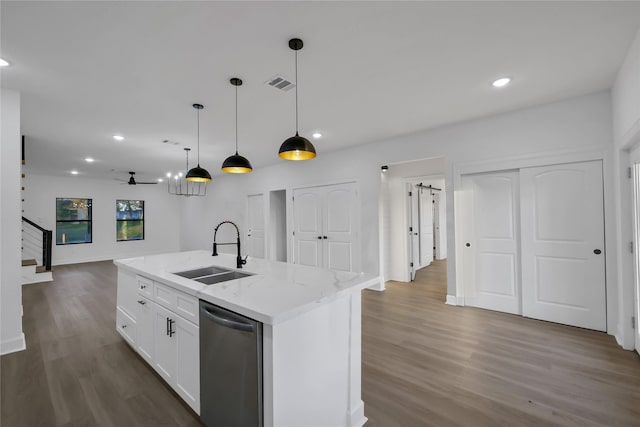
230	368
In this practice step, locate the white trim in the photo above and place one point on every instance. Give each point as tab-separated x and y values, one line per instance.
13	345
451	300
379	286
356	416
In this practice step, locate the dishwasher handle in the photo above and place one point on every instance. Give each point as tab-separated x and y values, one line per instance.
227	320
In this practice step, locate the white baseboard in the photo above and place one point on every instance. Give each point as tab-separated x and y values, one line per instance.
13	345
379	286
451	300
356	416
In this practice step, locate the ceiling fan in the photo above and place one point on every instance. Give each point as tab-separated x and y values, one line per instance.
132	180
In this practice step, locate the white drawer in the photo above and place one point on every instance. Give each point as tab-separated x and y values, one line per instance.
145	286
126	326
177	301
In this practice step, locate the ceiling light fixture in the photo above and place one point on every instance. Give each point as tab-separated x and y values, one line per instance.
501	82
317	135
297	147
198	174
3	63
181	186
89	159
118	137
236	163
74	172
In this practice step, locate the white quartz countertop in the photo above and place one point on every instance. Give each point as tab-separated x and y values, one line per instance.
276	291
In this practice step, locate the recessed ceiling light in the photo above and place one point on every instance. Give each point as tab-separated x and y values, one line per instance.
118	137
168	174
3	63
317	135
501	82
160	179
89	159
74	172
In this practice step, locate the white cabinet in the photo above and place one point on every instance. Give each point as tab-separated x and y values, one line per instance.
161	324
165	347
187	347
145	329
326	227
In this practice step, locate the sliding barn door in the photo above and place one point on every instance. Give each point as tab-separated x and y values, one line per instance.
562	228
491	244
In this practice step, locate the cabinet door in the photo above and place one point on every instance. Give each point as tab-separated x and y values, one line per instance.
145	329
165	347
187	341
127	293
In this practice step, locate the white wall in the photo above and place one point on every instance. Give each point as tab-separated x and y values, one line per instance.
161	212
576	124
626	131
11	336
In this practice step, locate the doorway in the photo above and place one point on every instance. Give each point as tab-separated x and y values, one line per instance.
412	217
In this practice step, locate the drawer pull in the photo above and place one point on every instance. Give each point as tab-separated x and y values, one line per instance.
142	302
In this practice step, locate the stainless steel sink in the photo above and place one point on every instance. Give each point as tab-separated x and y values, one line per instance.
212	275
222	277
201	272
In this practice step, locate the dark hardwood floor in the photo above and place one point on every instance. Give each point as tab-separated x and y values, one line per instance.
424	364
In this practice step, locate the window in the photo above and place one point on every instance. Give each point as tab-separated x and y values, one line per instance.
73	221
129	220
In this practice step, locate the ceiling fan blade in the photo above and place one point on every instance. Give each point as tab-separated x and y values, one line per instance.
138	182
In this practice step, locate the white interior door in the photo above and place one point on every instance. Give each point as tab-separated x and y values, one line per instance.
340	237
414	227
636	250
307	227
256	226
491	239
562	228
425	203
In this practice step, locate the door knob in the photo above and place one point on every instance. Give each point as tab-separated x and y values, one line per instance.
597	251
319	237
324	237
468	244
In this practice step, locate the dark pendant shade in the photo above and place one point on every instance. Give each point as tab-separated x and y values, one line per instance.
236	164
297	148
198	174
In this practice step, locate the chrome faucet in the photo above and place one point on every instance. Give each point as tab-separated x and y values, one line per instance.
239	261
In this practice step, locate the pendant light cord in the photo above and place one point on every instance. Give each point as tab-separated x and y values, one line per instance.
236	120
296	92
198	115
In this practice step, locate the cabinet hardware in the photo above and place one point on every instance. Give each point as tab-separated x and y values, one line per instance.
468	244
143	286
597	251
141	302
171	330
167	326
124	326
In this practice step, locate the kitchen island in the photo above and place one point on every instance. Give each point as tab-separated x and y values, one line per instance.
311	330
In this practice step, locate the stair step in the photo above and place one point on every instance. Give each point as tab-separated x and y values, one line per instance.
27	262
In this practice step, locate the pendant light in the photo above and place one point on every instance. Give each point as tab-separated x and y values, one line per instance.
198	174
297	147
236	163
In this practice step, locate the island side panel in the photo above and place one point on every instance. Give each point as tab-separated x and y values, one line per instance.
312	366
356	405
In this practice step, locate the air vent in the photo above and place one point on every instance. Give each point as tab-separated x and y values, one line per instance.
281	83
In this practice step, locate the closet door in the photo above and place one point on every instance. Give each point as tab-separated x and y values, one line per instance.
491	243
426	204
563	259
340	236
307	228
255	234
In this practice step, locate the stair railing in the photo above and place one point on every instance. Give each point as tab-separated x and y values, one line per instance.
47	243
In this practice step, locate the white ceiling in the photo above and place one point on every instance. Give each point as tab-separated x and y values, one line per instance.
368	71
